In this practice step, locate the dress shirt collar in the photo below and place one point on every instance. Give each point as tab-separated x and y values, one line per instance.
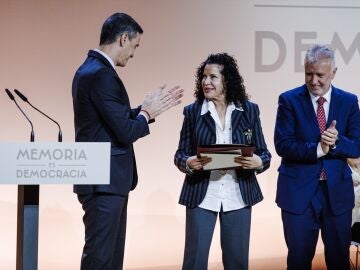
207	104
106	56
327	96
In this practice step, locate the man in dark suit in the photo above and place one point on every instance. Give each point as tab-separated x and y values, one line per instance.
103	114
317	129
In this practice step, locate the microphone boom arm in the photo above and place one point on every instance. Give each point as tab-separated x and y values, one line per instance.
27	101
60	133
32	136
11	96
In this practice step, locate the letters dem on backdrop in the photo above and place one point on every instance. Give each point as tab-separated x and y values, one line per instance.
345	51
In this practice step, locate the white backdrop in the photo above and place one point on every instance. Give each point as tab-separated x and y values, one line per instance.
44	41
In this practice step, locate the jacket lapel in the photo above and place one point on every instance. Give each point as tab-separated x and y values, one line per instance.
205	129
335	105
241	125
100	57
309	112
104	61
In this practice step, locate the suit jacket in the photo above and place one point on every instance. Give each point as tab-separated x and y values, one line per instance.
103	114
297	135
200	129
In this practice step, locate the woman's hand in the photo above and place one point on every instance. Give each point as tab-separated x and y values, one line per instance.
251	163
196	163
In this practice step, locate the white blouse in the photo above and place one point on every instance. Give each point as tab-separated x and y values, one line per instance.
223	192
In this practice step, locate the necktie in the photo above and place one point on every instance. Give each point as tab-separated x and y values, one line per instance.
320	114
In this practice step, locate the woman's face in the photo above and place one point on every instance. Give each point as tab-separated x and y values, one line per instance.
212	83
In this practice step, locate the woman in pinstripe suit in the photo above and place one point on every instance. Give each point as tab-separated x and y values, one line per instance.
220	114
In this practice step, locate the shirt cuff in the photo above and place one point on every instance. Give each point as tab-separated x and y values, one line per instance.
320	153
144	114
188	169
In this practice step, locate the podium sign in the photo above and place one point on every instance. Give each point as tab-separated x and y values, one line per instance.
30	163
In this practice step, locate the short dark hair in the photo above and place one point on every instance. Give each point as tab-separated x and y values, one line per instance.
116	25
233	82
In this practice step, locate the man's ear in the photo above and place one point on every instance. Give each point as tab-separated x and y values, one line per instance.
333	73
123	38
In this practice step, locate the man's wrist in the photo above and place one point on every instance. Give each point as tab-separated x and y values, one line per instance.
333	146
144	115
147	113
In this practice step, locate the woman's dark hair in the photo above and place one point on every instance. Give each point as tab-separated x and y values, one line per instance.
116	25
232	80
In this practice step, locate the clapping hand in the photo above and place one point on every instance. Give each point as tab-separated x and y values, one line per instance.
329	137
161	100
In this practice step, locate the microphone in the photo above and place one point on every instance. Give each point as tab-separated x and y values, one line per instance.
11	96
27	101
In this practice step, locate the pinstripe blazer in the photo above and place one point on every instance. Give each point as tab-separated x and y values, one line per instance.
200	129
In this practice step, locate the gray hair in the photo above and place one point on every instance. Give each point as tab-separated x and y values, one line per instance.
319	52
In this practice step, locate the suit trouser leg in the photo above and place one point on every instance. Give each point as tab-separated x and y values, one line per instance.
235	235
104	231
118	256
200	224
336	235
301	234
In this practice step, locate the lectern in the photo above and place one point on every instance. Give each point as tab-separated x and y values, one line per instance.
27	227
30	164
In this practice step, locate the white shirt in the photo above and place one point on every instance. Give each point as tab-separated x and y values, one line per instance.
223	189
326	105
